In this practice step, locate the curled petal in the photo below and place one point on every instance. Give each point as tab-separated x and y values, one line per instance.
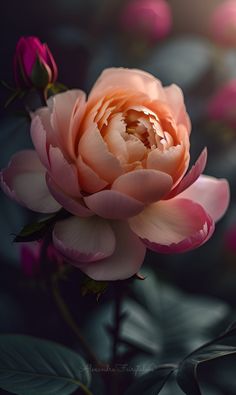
73	205
211	193
113	204
125	261
173	226
147	186
195	171
84	239
24	181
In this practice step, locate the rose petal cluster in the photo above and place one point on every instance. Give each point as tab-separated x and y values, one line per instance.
117	162
34	65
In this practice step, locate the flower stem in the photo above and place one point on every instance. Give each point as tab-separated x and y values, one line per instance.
117	324
71	323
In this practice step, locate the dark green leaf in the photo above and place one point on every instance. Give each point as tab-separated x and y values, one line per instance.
151	383
167	322
30	366
187	376
33	231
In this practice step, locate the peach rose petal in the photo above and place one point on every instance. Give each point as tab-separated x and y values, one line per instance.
63	173
73	205
63	104
211	193
89	181
114	139
147	186
128	79
195	171
84	239
173	226
113	204
124	262
45	115
39	138
24	181
166	161
95	153
175	99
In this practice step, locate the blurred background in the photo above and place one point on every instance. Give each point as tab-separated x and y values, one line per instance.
187	42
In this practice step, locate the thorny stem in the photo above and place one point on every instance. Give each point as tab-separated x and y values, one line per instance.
71	323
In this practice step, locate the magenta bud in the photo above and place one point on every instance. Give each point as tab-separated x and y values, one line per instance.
34	65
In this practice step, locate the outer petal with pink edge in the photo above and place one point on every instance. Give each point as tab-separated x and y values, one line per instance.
193	174
24	181
124	262
84	239
211	193
173	226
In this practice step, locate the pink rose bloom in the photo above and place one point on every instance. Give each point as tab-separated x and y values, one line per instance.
151	18
222	106
34	65
117	163
31	258
223	23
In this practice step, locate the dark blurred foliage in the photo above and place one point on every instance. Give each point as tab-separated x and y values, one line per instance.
196	290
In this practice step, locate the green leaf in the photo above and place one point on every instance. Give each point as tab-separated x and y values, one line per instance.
166	322
30	366
34	231
151	383
187	376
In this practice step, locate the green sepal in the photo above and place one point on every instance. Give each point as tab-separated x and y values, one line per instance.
90	286
54	89
39	75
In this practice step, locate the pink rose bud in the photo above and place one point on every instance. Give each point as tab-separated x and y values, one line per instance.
33	258
222	106
151	18
34	65
223	24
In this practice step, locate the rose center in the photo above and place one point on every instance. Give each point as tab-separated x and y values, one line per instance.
146	127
